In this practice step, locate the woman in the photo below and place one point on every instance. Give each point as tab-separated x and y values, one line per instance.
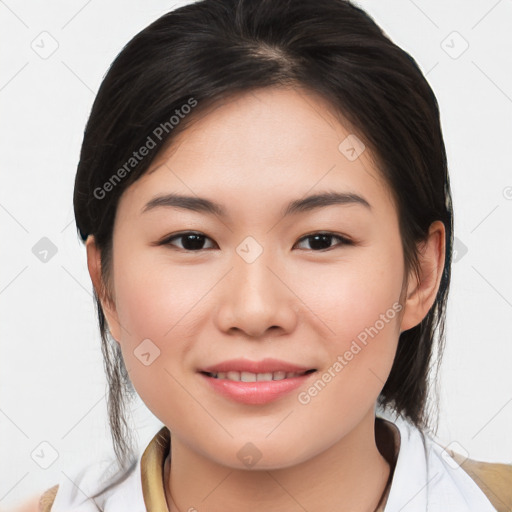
264	198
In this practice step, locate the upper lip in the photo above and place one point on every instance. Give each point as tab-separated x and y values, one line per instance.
267	365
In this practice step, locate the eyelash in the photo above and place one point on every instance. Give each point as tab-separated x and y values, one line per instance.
344	240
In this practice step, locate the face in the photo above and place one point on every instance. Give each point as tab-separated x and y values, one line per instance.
315	286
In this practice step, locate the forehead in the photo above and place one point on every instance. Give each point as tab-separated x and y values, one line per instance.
264	146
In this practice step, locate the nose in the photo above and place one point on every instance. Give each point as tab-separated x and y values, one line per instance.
257	299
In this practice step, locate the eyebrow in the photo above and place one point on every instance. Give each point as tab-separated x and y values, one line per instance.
203	205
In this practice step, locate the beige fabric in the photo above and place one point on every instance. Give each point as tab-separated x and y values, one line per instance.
152	468
46	500
494	479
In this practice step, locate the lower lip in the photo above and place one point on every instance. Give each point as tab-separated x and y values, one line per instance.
256	393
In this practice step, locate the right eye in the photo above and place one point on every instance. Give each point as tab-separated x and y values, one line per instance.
191	241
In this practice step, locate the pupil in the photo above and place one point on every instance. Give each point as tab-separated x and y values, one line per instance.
322	239
191	242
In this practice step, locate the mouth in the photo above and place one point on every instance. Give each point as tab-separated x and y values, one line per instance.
255	382
244	376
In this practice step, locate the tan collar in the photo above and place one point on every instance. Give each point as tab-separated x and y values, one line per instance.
151	468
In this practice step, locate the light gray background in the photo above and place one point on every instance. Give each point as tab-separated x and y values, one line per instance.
51	374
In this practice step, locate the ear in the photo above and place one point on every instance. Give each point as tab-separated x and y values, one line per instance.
107	303
421	293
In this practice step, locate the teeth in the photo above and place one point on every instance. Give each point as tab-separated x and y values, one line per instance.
255	377
263	376
248	377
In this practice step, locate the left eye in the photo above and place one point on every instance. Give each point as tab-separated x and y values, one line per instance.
320	241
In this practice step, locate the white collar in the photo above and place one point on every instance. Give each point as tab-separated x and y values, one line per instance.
74	493
425	479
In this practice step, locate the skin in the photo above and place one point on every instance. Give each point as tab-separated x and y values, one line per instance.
253	154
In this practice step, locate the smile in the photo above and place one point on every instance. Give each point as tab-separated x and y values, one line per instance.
256	377
255	388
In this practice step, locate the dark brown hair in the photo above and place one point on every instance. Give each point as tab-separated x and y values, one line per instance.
211	49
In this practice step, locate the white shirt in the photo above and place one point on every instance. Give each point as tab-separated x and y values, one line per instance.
425	479
428	479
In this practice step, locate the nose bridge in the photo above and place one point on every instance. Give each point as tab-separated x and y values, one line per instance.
256	299
252	262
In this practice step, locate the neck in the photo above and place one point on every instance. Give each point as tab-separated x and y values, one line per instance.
350	475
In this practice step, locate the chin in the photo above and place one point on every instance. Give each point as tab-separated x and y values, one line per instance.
262	455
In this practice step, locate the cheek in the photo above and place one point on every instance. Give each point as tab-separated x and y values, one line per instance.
362	312
352	298
158	308
156	299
